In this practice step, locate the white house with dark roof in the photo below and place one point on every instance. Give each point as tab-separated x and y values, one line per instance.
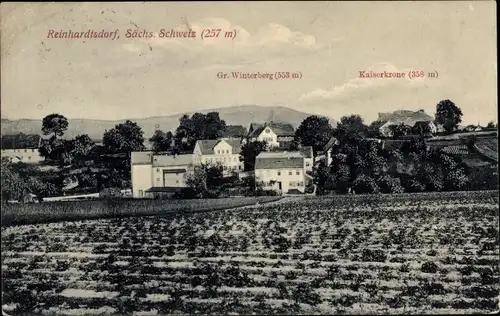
281	171
225	152
275	134
25	150
153	175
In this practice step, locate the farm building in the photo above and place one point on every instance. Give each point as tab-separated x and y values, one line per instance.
281	171
154	175
22	148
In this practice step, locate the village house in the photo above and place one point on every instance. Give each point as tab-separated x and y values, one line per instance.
406	117
326	153
155	175
281	171
225	152
275	134
26	152
26	155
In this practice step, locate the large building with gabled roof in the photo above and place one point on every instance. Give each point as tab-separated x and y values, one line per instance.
283	172
224	152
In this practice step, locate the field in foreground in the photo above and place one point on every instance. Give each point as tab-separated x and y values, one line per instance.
328	255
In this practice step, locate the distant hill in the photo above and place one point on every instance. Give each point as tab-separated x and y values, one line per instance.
236	115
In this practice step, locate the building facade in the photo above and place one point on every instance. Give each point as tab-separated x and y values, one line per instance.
224	152
26	155
307	153
281	171
155	175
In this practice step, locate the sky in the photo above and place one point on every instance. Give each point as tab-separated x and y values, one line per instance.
326	44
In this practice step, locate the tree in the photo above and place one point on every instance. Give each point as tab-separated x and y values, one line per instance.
250	151
213	126
87	179
491	125
350	129
314	131
215	176
399	130
197	127
421	128
448	115
365	184
12	183
342	178
20	179
19	141
161	141
124	138
82	145
374	129
197	181
54	148
323	176
389	184
55	124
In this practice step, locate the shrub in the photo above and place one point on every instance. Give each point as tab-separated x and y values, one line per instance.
365	184
110	193
303	293
429	267
376	255
390	184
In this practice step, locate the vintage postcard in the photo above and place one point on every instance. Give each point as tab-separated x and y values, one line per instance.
302	157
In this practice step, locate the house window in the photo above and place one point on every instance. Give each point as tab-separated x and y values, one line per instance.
298	173
218	151
268	130
300	184
157	169
227	151
141	193
307	164
157	179
29	157
279	173
25	150
292	184
32	150
239	167
289	173
177	181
